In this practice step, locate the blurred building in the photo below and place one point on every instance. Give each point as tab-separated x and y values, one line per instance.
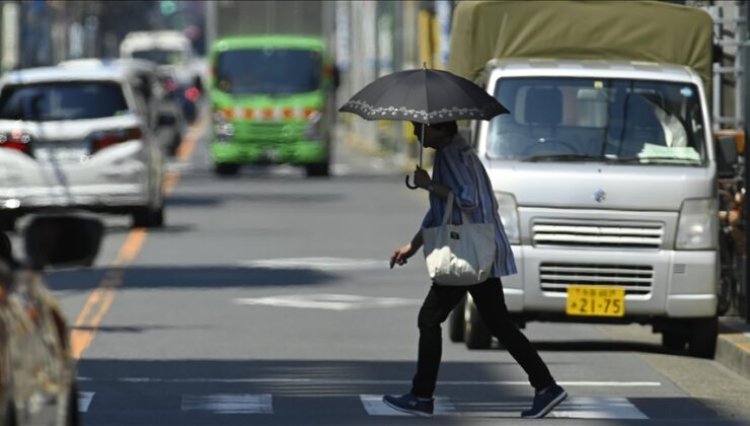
45	32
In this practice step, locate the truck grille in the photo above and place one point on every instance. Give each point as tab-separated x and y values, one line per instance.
597	235
282	132
635	279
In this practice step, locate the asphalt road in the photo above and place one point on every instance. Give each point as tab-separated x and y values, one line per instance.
267	300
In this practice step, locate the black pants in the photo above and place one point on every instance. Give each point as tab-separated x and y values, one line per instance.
490	301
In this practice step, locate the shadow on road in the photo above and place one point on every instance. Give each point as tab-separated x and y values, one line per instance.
209	277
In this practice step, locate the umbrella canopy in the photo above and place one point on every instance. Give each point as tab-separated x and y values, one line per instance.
425	96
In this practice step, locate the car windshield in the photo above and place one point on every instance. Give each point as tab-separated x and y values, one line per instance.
62	101
159	56
612	120
268	71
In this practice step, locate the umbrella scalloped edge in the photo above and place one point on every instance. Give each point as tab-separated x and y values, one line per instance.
370	112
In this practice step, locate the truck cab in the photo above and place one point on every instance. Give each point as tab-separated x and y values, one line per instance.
604	169
607	189
271	97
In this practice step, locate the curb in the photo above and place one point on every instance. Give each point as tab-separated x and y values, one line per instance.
733	350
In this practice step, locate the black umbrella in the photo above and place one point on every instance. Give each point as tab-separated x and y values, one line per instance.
426	96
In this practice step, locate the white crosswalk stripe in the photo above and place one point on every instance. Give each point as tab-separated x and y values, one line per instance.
229	403
573	408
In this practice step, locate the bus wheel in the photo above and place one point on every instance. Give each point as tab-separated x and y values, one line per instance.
226	169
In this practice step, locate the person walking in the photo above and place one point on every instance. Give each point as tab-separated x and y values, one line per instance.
458	170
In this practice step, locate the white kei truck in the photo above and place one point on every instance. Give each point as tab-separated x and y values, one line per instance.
605	169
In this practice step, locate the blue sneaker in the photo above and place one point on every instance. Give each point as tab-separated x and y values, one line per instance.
410	404
544	402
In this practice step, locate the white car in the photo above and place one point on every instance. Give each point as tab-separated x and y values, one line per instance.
78	138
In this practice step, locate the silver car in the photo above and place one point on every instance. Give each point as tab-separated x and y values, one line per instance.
78	138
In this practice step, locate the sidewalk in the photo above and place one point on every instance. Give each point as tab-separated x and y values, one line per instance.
733	345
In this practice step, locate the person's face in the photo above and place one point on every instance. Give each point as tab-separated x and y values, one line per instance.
432	136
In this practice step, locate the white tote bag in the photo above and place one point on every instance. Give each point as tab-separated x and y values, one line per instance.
459	254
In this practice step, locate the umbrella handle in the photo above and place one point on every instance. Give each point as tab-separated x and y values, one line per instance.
408	185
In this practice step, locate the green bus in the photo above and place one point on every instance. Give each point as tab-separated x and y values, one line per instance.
273	102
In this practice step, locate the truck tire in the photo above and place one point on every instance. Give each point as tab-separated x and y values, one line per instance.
317	170
702	338
673	340
476	334
226	169
456	322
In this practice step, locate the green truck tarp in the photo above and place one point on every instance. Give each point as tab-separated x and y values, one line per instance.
651	31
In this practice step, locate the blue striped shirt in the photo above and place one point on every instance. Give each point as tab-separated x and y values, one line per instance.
457	167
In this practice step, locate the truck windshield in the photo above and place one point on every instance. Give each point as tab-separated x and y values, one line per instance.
612	120
269	71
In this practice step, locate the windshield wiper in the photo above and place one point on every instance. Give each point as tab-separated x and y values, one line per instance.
564	157
662	159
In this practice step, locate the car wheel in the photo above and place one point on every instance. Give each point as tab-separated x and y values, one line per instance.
7	223
317	170
456	322
476	333
148	217
702	339
226	169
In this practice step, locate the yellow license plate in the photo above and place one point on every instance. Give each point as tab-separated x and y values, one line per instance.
595	301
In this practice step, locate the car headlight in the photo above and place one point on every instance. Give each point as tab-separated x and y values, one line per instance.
508	210
698	227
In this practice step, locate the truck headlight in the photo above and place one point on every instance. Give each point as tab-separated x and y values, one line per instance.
698	227
314	127
223	130
508	210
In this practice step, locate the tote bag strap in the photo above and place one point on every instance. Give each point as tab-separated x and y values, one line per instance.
449	211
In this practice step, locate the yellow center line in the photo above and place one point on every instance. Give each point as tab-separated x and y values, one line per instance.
100	300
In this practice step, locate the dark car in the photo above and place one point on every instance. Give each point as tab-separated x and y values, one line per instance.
37	370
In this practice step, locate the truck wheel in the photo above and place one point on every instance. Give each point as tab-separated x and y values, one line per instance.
226	169
317	169
673	340
476	334
702	339
456	322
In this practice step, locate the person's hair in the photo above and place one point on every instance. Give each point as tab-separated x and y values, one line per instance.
449	127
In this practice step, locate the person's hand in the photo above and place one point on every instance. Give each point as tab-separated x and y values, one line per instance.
422	178
400	256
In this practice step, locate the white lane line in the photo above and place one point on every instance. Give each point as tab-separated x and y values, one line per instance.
344	382
375	406
229	403
332	302
84	401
